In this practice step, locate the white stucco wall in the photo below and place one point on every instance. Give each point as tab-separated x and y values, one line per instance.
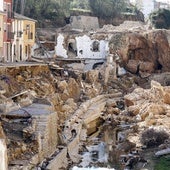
59	48
17	25
84	48
1	5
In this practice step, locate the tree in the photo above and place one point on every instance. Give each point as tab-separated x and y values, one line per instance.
43	10
107	8
160	18
80	4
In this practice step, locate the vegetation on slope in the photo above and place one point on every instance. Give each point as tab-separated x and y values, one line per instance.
107	8
160	19
55	12
163	163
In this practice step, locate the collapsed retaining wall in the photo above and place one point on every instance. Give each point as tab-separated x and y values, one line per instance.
75	130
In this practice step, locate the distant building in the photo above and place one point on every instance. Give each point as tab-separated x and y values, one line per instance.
165	5
8	34
1	32
148	6
17	35
24	37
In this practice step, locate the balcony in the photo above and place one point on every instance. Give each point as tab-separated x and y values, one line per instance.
30	35
10	36
19	34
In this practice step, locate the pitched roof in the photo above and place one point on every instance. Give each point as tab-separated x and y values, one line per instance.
22	17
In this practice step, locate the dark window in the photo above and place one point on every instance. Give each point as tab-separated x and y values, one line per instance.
26	50
95	46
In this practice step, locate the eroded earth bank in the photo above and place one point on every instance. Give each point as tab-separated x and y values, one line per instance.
54	119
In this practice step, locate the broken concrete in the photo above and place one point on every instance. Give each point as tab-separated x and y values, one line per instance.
3	151
86	117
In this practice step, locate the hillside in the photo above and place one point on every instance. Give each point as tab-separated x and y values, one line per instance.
56	13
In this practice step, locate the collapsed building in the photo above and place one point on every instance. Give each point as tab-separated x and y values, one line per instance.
77	42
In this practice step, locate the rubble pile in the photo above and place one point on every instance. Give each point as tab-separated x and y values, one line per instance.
125	26
150	106
27	91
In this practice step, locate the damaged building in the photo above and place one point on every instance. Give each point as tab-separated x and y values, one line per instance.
131	46
78	42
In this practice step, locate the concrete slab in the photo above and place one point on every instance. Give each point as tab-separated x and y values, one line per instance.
39	109
32	110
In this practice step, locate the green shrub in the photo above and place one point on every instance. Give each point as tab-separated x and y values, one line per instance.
160	19
163	163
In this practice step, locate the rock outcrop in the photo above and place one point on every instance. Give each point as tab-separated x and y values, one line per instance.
141	51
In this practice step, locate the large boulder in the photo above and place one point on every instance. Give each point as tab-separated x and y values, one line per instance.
92	76
144	51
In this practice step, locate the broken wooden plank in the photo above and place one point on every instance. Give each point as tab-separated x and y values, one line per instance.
19	94
35	78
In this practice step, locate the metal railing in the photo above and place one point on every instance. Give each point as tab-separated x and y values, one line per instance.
10	35
19	34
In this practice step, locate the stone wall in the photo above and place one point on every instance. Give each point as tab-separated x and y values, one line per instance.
85	23
46	132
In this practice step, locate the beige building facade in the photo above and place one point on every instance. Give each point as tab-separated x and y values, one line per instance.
1	33
24	37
